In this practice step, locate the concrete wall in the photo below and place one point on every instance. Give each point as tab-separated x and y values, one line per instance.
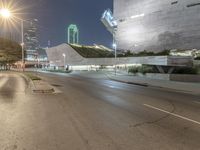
185	78
163	25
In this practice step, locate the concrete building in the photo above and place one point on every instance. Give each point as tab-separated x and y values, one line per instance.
64	54
156	25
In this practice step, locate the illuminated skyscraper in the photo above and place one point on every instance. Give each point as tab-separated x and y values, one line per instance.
73	34
31	40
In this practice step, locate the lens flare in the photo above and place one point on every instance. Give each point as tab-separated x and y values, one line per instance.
5	13
9	12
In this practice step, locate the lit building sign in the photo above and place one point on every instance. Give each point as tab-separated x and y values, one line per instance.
73	34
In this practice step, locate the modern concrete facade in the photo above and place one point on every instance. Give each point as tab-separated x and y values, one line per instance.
156	25
72	58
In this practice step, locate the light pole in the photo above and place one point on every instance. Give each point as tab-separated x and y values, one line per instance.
115	48
64	55
6	13
22	44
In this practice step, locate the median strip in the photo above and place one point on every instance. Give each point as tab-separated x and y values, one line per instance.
38	85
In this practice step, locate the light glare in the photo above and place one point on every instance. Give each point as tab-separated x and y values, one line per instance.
114	45
137	16
5	13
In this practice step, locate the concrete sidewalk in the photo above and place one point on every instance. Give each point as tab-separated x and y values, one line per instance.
191	88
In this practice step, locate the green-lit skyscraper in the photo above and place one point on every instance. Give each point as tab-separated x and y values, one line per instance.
73	34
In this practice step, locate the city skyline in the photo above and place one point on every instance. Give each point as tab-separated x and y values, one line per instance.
55	17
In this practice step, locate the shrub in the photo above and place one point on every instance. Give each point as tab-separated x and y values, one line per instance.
102	67
186	70
197	58
163	53
145	53
133	70
142	69
60	71
146	69
92	52
10	52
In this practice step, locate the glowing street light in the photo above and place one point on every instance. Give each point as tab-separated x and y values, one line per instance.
115	48
114	45
5	13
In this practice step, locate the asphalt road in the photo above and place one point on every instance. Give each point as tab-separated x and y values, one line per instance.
93	113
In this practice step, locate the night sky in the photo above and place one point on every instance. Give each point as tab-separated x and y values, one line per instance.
55	15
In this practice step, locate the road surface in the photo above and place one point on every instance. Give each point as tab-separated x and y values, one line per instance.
93	113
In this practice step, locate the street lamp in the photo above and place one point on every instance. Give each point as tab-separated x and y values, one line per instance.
6	13
115	48
64	55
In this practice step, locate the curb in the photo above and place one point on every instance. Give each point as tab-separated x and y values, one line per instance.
30	82
140	84
33	87
48	90
133	83
153	86
44	91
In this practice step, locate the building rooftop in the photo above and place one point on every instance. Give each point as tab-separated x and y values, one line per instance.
96	51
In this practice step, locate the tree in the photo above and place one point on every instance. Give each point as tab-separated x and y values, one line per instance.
10	52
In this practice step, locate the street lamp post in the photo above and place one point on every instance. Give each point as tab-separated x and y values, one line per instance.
6	13
64	55
115	48
22	44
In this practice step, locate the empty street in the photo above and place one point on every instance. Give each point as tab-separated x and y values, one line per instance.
91	112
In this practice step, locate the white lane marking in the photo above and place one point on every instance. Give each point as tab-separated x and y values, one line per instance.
173	114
